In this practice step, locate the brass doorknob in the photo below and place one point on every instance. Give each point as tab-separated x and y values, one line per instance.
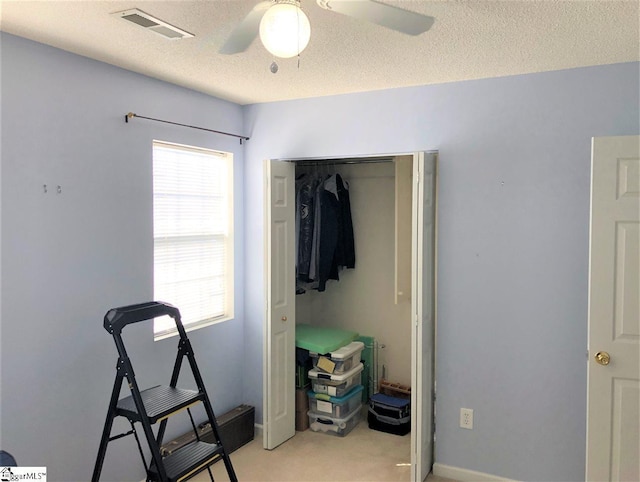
284	318
603	358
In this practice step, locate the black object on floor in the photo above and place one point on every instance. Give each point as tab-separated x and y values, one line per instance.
389	414
236	428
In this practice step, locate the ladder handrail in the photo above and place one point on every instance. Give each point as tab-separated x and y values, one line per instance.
117	318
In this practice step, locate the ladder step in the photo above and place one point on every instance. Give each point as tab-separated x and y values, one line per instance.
159	402
188	461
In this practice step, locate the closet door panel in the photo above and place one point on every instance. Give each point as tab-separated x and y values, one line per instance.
279	363
423	312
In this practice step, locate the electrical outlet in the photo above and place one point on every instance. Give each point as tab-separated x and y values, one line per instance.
466	418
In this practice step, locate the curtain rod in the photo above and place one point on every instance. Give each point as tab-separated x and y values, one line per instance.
363	160
131	115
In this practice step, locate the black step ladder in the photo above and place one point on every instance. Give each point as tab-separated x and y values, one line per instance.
158	403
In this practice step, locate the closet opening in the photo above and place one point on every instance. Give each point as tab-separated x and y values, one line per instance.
385	294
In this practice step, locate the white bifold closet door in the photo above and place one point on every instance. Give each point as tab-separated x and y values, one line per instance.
423	310
280	334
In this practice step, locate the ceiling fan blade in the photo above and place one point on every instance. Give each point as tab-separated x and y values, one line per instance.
405	21
246	31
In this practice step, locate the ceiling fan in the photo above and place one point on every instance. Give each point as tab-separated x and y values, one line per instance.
271	19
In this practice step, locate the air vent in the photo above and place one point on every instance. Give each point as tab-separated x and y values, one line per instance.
154	24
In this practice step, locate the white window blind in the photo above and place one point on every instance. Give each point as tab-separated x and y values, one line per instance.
192	230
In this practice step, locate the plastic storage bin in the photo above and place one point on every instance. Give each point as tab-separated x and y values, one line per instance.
321	403
335	385
396	426
334	425
338	361
389	406
389	414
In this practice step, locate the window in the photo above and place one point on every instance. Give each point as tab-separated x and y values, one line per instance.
192	235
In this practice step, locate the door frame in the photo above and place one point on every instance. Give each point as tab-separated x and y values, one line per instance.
417	327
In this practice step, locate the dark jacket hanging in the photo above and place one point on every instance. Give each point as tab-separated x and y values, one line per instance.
325	241
305	207
347	251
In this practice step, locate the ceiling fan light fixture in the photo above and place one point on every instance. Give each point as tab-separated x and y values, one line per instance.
285	29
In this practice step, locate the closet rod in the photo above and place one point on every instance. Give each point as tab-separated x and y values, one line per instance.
331	162
131	114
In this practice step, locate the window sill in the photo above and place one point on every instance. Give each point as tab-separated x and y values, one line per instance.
191	327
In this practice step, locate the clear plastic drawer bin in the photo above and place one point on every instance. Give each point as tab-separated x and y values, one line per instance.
322	403
338	361
334	425
335	385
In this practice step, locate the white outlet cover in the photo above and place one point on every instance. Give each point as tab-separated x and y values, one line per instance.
466	418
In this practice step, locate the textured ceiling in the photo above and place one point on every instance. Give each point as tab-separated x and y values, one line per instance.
470	39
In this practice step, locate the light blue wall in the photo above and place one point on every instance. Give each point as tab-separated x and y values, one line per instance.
513	244
67	258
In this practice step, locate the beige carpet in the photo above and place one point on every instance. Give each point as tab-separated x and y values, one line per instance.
363	455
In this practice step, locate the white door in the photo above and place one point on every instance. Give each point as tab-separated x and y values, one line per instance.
279	366
613	393
423	310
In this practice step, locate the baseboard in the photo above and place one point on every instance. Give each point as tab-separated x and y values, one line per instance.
258	430
465	475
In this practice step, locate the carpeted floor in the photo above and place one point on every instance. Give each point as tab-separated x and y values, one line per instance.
363	455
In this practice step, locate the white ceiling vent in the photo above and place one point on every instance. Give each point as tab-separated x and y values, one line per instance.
151	23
